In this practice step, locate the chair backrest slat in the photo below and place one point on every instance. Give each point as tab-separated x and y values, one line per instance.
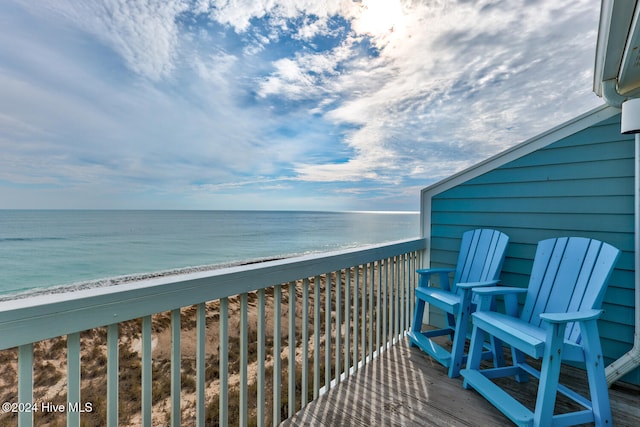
481	256
569	274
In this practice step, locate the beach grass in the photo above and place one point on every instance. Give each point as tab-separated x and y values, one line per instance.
50	361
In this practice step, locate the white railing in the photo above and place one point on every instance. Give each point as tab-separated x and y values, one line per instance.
258	341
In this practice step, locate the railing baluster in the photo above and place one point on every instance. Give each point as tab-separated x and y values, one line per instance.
25	383
223	358
316	337
397	300
411	269
175	368
327	333
112	375
378	306
347	327
305	341
363	315
392	300
146	371
356	320
277	379
292	350
338	310
73	379
385	306
260	381
201	336
371	289
407	290
401	283
244	355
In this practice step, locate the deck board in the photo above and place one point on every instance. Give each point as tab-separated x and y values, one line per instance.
405	387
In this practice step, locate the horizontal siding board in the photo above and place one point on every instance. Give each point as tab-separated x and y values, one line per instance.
573	187
581	185
582	151
561	172
531	236
571	223
558	156
603	133
616	336
600	204
615	348
618	314
621	294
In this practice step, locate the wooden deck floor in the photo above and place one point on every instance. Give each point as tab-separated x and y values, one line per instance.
405	387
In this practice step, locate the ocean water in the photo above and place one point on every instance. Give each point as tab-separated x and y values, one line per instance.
46	248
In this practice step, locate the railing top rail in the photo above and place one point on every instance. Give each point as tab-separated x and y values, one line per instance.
43	316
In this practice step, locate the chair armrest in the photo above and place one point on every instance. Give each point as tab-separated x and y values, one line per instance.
577	316
499	290
426	273
487	296
435	270
471	285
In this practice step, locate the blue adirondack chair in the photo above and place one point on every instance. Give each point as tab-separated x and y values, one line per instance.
558	323
479	264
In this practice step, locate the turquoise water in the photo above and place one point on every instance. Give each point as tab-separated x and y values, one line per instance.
40	248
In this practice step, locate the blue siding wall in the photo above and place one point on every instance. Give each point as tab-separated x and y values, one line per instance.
581	185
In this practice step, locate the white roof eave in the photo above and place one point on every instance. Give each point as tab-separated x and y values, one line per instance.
612	53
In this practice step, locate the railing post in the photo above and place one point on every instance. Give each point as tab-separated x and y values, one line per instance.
223	359
175	368
305	342
146	372
327	333
292	351
338	312
112	375
277	379
316	337
201	336
260	381
244	356
25	383
73	380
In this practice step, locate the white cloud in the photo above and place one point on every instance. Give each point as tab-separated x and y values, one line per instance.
143	32
209	97
450	81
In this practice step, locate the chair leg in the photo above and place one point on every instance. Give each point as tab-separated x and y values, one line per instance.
519	358
451	323
498	352
475	352
418	314
595	374
459	340
549	376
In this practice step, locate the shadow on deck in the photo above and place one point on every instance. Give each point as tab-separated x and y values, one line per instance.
405	387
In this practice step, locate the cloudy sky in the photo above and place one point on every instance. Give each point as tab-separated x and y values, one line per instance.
276	104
